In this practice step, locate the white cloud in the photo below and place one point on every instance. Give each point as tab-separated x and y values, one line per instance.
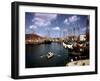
37	19
43	20
46	16
66	21
73	18
33	27
29	31
56	28
40	22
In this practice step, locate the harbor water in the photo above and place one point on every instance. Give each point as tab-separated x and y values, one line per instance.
36	55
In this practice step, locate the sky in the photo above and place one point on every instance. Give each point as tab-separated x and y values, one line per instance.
55	25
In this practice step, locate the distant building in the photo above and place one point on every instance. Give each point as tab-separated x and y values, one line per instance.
82	37
72	38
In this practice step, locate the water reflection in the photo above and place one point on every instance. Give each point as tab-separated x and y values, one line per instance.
36	55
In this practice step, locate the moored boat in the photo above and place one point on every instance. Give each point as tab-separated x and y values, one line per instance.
50	55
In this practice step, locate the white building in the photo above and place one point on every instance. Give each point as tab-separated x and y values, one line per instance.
82	37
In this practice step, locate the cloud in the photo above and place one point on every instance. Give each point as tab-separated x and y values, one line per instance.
71	19
40	22
66	21
56	28
43	20
32	27
29	31
46	16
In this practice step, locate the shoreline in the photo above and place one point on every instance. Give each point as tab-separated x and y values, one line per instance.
79	63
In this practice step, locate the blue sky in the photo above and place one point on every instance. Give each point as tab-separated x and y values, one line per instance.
55	25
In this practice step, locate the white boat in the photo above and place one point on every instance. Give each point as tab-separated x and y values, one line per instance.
70	46
49	55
